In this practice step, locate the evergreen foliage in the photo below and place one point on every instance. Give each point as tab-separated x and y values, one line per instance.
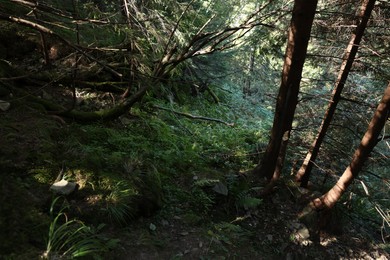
159	110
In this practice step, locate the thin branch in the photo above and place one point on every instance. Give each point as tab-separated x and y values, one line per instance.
194	117
168	54
49	9
177	25
46	30
360	102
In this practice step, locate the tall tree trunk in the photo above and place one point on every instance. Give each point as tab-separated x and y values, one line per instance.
349	56
298	39
247	87
329	199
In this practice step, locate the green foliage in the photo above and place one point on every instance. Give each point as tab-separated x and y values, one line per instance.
241	193
153	159
72	238
225	235
202	196
247	202
119	203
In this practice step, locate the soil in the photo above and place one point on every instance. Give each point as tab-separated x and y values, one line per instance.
270	231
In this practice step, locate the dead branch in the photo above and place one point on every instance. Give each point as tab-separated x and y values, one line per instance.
42	7
46	30
194	117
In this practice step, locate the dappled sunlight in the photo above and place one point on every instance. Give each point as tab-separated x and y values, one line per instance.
328	241
194	130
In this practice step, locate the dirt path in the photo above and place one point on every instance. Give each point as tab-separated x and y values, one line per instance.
270	232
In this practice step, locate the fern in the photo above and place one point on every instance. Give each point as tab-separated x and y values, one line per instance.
246	201
205	182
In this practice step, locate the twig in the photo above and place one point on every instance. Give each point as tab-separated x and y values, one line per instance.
176	26
194	117
46	30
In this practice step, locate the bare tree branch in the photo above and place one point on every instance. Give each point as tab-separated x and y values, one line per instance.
46	30
195	117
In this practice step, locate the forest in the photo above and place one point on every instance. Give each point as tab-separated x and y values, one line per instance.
194	129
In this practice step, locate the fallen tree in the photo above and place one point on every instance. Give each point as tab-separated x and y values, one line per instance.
149	74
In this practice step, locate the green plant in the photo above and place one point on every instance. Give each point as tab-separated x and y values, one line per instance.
228	235
72	238
248	202
241	193
245	200
118	203
203	197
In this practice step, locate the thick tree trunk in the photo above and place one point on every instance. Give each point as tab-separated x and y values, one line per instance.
349	56
298	38
328	200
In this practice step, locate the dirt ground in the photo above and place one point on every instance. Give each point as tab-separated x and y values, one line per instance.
270	232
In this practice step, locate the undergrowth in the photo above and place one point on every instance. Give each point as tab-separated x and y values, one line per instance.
70	238
154	161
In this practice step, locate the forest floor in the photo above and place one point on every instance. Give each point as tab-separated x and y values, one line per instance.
269	231
35	145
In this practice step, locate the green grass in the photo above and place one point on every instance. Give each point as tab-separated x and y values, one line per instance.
71	238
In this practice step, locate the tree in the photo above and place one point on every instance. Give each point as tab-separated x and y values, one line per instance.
159	48
298	39
247	87
367	144
348	59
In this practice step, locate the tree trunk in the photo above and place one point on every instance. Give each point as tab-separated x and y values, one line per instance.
298	38
328	200
349	56
247	87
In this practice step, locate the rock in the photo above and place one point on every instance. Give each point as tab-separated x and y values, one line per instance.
221	188
64	187
303	233
4	105
152	227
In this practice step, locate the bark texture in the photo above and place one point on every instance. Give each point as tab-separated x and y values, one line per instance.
367	144
349	56
298	39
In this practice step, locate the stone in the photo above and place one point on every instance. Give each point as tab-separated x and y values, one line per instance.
4	105
64	187
304	233
221	188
